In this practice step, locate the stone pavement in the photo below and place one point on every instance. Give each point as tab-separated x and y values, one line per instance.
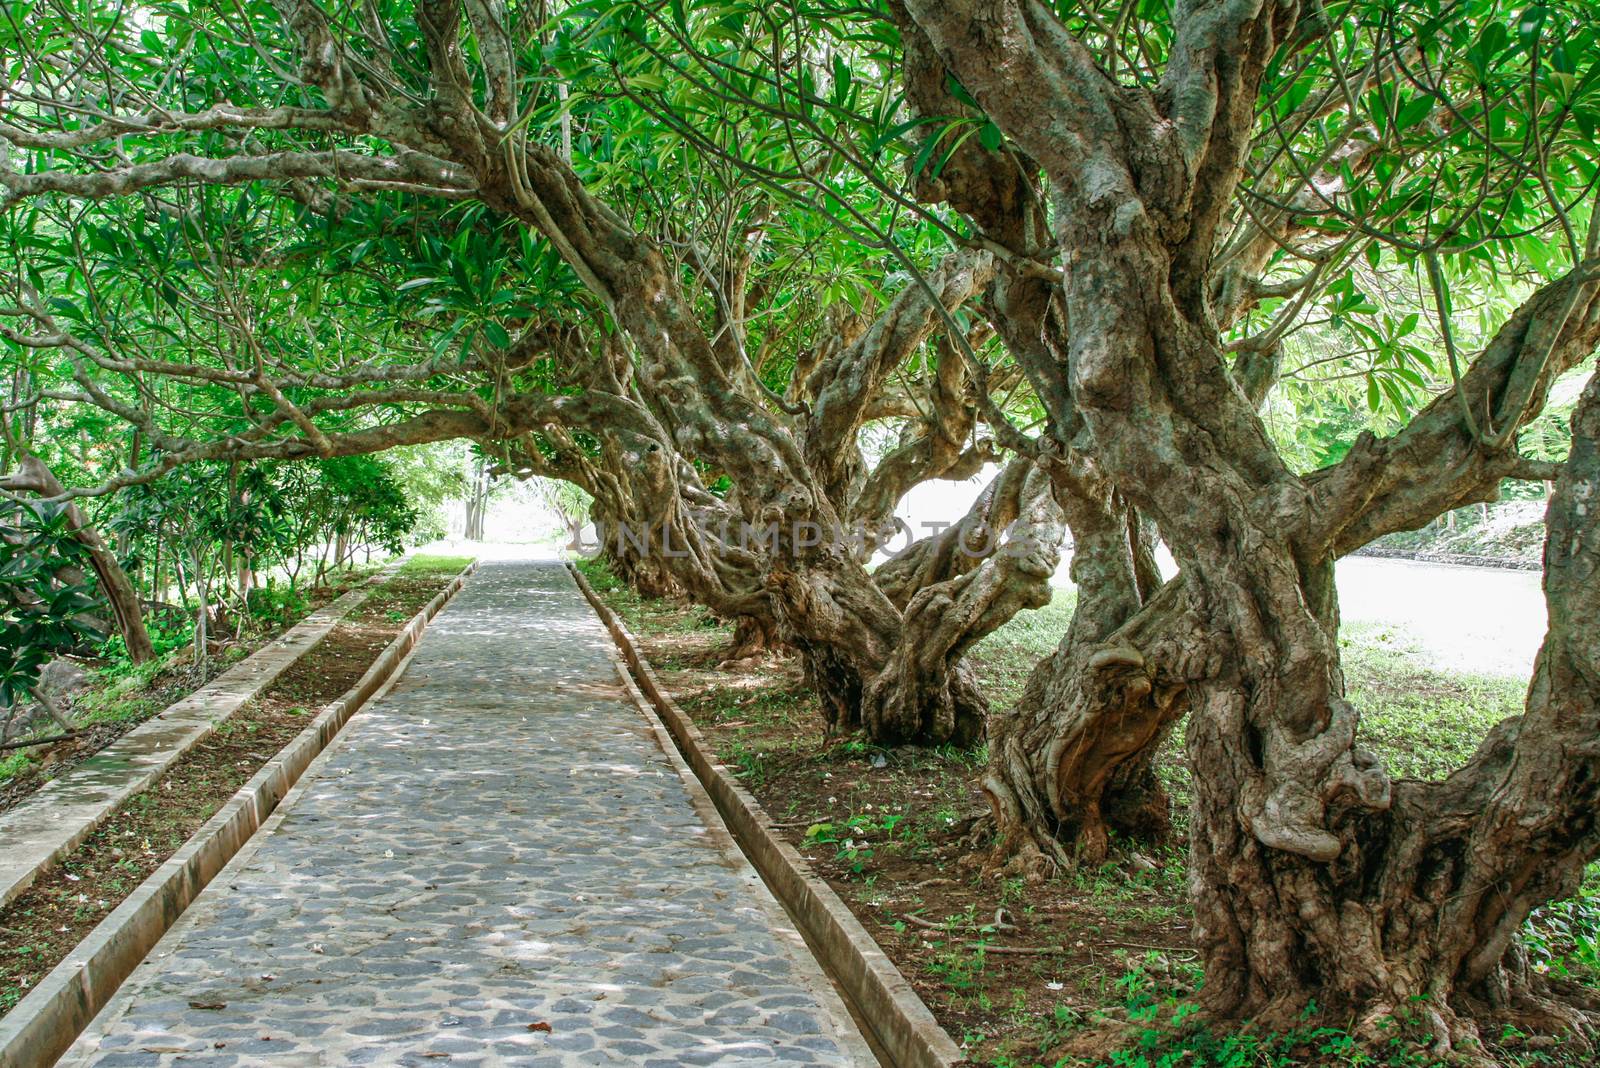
495	863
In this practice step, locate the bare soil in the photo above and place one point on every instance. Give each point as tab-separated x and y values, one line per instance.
48	920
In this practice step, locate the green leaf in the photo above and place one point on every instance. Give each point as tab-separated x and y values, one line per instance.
1414	111
496	334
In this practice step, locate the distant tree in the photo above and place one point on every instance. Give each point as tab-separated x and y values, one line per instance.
568	503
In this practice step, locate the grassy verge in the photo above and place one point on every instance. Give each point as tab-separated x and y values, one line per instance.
42	926
1026	975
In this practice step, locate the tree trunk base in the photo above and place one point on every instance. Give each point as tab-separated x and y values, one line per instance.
753	641
1014	851
1471	1032
1535	1028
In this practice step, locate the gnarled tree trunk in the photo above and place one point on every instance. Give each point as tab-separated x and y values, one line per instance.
1316	878
848	633
1413	905
826	604
997	568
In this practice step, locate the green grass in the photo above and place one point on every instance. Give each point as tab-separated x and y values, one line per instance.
119	694
1005	658
660	618
1424	723
423	564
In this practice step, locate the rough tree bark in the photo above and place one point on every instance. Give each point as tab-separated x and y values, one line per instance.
477	501
1408	899
963	584
1073	759
826	604
1316	878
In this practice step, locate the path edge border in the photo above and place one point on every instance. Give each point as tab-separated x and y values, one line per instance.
326	618
43	1025
901	1024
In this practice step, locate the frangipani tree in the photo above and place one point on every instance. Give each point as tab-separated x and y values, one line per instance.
1210	174
403	223
391	234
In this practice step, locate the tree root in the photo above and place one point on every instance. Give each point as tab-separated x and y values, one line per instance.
752	643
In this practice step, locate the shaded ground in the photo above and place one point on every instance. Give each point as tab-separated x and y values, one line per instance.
52	916
1020	973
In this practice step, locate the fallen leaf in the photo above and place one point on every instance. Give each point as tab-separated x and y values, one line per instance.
540	1026
208	1004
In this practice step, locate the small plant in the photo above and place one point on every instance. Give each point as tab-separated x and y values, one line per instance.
45	602
960	966
1563	938
854	854
274	606
166	634
750	764
1057	1025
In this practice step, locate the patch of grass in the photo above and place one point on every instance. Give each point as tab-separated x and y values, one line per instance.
1422	722
14	764
1168	1030
666	618
426	564
125	693
601	578
1006	658
121	694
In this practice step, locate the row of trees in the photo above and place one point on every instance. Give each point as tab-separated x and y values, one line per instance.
731	266
215	537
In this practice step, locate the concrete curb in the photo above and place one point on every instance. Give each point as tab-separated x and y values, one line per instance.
1488	563
45	1023
899	1025
51	822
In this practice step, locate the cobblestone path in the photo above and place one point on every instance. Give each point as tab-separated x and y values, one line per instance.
496	863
